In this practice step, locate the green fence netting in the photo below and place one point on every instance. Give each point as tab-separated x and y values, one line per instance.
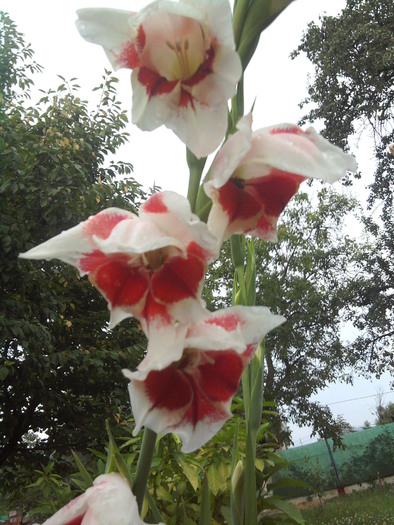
368	454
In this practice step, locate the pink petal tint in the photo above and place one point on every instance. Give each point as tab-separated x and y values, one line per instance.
192	396
109	502
185	67
151	266
255	175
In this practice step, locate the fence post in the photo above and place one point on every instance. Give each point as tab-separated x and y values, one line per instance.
340	488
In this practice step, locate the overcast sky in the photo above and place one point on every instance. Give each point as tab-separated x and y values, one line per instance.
277	83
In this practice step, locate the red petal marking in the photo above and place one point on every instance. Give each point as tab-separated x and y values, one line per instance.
153	309
177	279
219	380
75	521
186	99
203	71
103	223
91	261
198	251
129	56
147	78
121	284
141	39
265	196
248	354
229	321
155	204
214	381
203	408
276	189
168	389
154	83
266	226
239	203
163	86
290	129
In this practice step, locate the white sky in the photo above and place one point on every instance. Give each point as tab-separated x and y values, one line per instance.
277	83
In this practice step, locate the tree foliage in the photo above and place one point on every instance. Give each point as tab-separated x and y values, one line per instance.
60	370
351	92
353	58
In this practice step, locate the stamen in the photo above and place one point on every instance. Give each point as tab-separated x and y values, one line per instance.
180	49
170	45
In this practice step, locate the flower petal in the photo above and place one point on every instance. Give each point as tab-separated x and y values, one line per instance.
111	29
70	246
109	502
70	514
254	176
192	396
201	127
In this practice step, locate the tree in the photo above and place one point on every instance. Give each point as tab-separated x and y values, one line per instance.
384	413
60	371
351	93
305	277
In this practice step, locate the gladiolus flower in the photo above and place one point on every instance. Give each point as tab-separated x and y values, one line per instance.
254	175
192	396
151	266
109	502
184	63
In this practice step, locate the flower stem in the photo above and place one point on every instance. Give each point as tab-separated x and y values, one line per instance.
196	167
143	465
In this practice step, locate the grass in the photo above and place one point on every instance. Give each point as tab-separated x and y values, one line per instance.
374	506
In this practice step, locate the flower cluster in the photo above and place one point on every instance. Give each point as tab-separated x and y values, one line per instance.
151	266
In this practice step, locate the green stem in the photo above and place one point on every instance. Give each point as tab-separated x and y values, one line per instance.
143	465
196	167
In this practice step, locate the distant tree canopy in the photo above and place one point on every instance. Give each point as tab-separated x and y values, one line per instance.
352	94
384	412
60	367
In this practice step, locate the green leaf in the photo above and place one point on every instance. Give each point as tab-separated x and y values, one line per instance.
4	370
287	508
152	505
123	468
81	467
190	471
214	480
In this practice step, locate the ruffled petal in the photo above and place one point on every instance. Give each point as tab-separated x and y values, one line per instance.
71	514
153	100
109	502
254	176
192	395
201	127
71	245
111	29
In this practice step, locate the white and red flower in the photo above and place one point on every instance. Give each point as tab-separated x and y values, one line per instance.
184	63
151	266
109	502
192	396
254	175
